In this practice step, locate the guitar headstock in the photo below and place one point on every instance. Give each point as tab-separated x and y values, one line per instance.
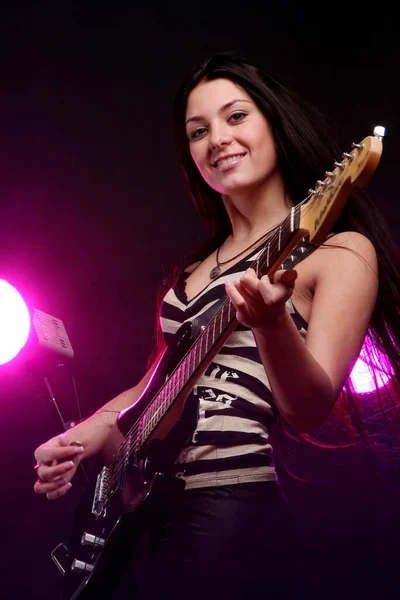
320	212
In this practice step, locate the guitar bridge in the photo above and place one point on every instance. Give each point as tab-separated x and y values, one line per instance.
101	493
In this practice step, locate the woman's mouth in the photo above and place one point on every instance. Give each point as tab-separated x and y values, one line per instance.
228	162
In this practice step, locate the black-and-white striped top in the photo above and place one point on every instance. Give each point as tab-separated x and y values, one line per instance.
236	408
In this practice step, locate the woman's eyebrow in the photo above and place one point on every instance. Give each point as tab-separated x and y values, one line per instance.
198	118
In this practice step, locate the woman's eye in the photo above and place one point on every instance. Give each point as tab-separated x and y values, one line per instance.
197	133
237	116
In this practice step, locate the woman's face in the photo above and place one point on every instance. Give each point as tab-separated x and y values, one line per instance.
230	139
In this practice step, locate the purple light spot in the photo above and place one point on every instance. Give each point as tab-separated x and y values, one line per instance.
14	322
372	369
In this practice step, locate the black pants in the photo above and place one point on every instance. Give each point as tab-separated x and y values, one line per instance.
230	542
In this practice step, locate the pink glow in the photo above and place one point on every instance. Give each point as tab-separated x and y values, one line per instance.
365	377
14	322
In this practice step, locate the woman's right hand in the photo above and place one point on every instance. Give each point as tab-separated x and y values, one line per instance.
56	464
58	459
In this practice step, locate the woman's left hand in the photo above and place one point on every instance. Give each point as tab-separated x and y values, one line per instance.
261	302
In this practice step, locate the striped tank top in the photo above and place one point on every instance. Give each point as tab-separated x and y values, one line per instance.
231	443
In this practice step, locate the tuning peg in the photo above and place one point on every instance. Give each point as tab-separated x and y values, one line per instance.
315	192
339	165
330	174
347	155
379	132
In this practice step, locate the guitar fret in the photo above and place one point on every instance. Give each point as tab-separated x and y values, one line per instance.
229	310
145	432
199	355
177	376
226	314
222	318
139	436
203	344
191	362
205	335
181	378
148	416
193	357
185	370
173	386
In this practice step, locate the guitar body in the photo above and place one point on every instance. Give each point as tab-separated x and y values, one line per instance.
121	528
96	564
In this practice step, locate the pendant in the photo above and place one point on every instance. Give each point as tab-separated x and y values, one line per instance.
215	272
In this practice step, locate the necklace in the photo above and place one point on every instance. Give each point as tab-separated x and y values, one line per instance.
215	271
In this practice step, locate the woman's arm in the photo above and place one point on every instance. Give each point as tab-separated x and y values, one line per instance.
306	379
57	460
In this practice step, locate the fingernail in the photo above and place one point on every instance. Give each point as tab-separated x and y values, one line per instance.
227	283
69	465
78	449
69	485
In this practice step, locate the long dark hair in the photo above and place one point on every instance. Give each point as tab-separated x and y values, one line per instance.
306	143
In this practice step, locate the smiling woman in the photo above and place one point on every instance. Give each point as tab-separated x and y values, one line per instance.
245	350
231	141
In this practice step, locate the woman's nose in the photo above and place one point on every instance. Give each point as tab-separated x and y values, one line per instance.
220	136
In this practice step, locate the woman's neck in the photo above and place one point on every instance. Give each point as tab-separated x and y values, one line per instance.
252	214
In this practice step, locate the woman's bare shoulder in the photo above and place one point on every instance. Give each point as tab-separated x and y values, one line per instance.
352	240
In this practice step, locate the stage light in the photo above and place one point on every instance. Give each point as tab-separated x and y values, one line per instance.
14	322
372	369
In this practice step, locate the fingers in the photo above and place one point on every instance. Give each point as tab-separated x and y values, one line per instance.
287	277
53	490
234	295
49	455
56	465
259	302
48	474
276	289
60	492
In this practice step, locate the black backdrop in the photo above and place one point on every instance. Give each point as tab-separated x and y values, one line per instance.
94	212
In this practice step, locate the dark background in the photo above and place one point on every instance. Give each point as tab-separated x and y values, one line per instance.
94	212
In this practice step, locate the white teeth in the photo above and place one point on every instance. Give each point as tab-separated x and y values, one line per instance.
230	159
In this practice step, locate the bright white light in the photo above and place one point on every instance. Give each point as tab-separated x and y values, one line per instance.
365	377
14	322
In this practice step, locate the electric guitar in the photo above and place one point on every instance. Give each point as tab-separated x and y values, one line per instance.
149	435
